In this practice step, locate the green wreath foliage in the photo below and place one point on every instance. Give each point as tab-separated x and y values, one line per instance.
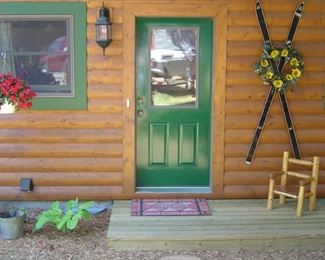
292	72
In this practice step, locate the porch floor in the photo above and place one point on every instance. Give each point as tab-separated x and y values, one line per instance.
245	224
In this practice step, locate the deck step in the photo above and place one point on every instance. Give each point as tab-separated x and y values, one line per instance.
245	224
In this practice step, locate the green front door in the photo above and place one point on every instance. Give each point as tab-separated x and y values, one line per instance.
173	102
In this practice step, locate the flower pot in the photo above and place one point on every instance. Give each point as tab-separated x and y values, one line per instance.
7	108
12	224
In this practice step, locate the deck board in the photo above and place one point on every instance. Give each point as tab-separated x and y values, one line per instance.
245	224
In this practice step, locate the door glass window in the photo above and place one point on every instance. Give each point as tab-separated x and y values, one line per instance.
173	66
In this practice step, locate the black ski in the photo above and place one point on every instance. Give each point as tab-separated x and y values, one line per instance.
291	130
283	99
260	126
277	70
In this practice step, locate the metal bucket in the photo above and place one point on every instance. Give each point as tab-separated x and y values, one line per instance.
12	224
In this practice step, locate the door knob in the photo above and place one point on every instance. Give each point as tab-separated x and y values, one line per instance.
140	112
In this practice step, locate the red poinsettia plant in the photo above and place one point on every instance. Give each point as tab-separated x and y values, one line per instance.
14	91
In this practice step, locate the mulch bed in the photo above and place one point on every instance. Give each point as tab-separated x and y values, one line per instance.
89	241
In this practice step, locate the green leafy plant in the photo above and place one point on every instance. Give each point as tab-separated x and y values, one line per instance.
64	221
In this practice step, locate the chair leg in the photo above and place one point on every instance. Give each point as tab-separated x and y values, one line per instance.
285	163
282	199
300	203
270	196
313	185
312	200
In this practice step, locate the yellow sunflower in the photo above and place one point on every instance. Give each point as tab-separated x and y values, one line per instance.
284	53
268	75
294	62
296	73
289	77
264	63
274	54
277	83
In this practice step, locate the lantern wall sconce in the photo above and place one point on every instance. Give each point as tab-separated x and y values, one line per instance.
103	28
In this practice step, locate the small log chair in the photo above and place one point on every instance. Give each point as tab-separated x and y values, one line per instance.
305	179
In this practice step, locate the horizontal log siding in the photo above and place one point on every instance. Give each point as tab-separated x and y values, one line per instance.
245	95
71	154
79	153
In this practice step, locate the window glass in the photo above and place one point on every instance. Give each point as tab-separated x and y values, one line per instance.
38	50
173	58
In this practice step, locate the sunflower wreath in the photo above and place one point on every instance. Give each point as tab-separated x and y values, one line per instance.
292	70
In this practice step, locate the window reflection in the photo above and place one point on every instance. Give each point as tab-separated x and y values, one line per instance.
38	52
173	56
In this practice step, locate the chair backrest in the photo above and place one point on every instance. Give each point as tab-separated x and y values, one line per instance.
314	165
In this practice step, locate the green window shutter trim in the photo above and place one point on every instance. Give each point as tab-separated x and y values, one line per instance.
78	10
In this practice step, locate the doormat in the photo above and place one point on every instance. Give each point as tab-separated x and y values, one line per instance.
170	207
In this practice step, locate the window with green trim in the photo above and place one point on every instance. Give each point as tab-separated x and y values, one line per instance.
45	45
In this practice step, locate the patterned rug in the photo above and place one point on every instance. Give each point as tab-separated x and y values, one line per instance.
170	207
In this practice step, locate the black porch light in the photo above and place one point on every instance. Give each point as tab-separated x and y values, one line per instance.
103	28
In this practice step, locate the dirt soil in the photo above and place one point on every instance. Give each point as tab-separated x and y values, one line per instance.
89	241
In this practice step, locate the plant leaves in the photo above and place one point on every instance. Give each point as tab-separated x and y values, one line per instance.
60	225
42	220
72	223
72	204
55	205
64	221
86	205
84	213
54	218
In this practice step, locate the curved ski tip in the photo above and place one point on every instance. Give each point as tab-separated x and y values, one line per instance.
248	162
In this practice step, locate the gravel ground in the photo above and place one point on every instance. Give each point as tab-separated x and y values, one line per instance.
88	241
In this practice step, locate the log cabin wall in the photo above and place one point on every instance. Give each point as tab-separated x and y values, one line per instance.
72	154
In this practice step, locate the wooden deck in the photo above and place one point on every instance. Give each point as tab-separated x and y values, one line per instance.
245	224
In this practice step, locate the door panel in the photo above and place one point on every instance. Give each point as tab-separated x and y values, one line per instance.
158	137
173	91
188	139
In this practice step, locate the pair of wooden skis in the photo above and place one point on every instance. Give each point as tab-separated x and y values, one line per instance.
277	69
